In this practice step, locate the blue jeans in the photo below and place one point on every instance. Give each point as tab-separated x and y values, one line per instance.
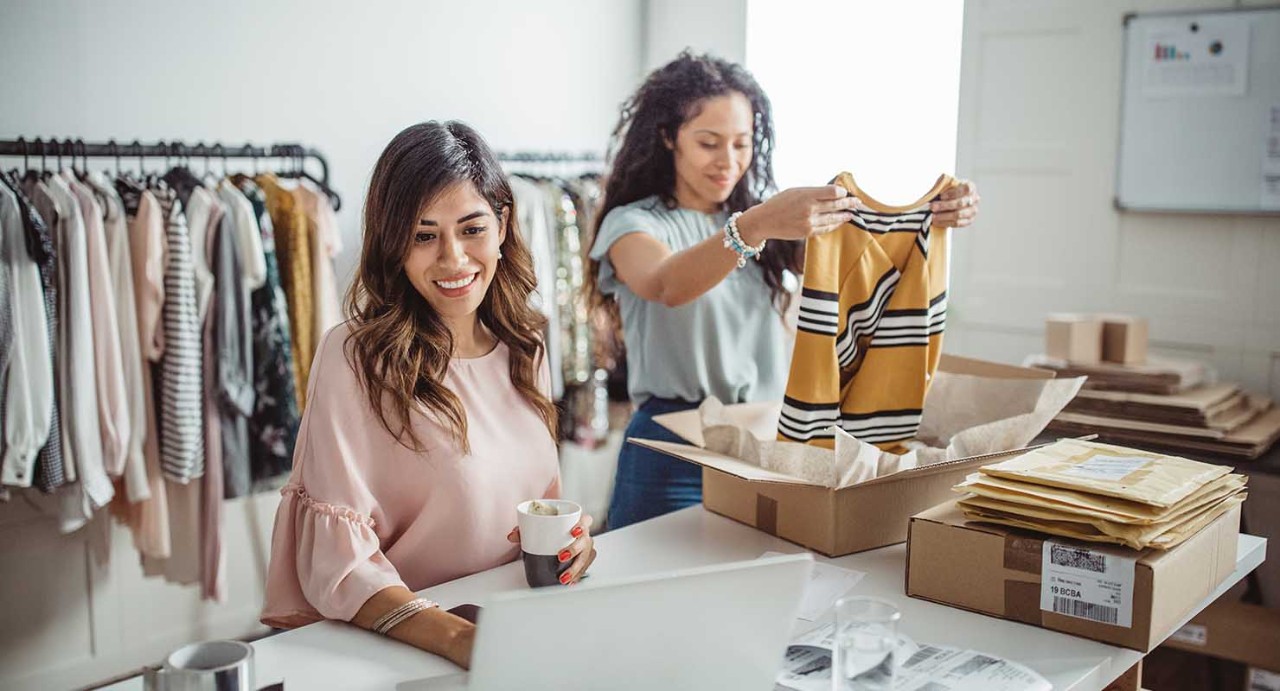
650	483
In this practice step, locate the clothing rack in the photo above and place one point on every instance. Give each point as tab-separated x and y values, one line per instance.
550	157
296	155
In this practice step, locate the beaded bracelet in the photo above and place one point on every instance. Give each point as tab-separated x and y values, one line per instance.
733	240
400	614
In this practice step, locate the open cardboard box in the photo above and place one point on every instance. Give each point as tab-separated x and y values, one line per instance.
830	521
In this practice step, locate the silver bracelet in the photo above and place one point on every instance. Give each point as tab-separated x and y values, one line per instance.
400	614
733	240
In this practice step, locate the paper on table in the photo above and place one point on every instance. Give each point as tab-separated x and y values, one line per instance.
807	667
826	584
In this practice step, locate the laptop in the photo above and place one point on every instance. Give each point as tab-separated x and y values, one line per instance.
715	627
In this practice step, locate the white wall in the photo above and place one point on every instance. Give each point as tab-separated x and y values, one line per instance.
819	75
1038	130
340	76
718	27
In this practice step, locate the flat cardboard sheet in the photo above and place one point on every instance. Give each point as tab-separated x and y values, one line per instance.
1247	442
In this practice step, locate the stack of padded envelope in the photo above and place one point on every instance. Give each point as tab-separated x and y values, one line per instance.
1102	493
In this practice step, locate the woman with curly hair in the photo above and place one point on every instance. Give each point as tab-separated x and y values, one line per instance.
428	417
687	199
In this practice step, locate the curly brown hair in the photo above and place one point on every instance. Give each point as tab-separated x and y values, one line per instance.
641	165
399	346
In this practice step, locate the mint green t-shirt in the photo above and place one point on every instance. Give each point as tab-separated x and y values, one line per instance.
730	342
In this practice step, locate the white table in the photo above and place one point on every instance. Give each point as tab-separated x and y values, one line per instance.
334	655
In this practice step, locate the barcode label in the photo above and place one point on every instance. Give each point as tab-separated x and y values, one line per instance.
925	652
1086	610
1193	634
1087	583
1061	555
1262	680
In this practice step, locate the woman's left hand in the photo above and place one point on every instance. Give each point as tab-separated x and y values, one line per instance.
582	550
958	206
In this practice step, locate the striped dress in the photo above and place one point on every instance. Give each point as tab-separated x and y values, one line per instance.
869	335
181	377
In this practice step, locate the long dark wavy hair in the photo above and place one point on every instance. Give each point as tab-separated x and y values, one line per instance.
641	165
399	347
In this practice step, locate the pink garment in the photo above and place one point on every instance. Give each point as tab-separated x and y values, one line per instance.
113	406
149	519
361	512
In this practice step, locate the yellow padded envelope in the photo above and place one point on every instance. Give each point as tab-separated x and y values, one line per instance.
1115	471
1013	496
1163	536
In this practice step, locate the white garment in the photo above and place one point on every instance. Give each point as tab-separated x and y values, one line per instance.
113	406
29	401
253	260
199	208
76	375
120	263
532	214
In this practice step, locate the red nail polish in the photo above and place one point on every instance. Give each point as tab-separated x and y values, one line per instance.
564	578
564	556
577	531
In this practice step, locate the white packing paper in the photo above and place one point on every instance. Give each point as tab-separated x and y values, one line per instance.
964	415
827	583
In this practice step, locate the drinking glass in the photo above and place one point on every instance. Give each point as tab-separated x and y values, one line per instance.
866	643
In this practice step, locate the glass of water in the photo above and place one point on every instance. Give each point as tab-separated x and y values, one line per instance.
866	643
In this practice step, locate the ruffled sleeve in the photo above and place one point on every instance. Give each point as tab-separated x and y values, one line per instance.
326	555
617	224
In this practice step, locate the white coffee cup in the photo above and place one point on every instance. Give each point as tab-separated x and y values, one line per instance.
207	666
542	538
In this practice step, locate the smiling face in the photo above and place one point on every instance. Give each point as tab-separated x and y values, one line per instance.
453	254
712	151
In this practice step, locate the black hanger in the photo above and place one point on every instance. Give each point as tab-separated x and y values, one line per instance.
14	172
114	150
43	173
296	156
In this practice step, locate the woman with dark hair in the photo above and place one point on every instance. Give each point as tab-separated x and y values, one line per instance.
686	204
428	417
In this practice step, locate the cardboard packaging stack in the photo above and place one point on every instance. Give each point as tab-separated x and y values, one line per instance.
1131	398
1101	493
1018	546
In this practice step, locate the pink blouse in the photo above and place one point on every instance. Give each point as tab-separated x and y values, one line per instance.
361	512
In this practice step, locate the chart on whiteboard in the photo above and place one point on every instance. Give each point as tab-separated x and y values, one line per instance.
1208	56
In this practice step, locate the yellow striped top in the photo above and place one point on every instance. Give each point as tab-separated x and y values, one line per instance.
872	310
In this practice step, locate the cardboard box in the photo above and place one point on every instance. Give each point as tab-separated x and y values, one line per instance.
830	521
1262	518
1131	680
996	571
1076	338
1124	339
1236	631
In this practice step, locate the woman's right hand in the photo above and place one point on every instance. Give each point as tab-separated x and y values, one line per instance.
797	213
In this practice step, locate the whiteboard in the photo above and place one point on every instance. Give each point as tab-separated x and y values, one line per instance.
1200	113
